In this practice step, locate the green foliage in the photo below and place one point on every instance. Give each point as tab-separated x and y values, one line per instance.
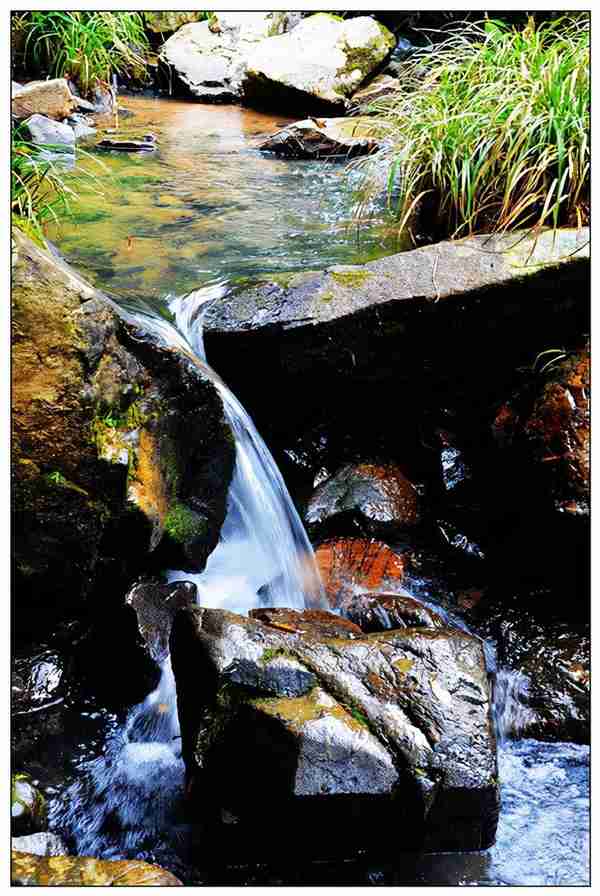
489	130
89	47
183	525
40	193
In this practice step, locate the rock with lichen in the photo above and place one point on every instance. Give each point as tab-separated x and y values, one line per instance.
321	63
368	741
121	453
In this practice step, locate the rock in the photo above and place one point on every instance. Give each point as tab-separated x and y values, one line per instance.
382	612
28	807
148	142
317	138
382	85
52	99
15	88
81	126
105	101
378	496
121	456
56	134
396	291
391	747
351	565
36	682
208	59
398	57
321	63
550	431
454	469
318	623
169	21
42	844
85	105
544	690
155	604
82	871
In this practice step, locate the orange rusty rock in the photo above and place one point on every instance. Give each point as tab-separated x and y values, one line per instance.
348	565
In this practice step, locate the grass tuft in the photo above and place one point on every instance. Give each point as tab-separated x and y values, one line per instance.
88	47
488	132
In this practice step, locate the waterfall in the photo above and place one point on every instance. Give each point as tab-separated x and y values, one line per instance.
126	803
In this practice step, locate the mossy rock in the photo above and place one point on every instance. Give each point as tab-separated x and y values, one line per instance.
83	871
112	434
27	807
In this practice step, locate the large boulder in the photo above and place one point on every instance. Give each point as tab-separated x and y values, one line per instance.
208	59
81	871
323	138
376	743
53	99
321	63
121	454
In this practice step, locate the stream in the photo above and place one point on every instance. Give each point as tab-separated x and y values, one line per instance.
170	229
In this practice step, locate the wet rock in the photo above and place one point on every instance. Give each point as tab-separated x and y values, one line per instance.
322	62
51	99
121	456
382	612
28	807
85	105
318	138
36	682
208	59
123	144
550	431
155	604
42	844
318	623
82	871
393	745
351	565
454	468
105	101
51	133
547	662
378	496
15	88
401	52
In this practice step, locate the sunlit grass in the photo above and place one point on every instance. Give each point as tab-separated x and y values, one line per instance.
489	131
89	47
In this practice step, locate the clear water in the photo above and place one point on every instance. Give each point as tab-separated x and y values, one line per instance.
206	203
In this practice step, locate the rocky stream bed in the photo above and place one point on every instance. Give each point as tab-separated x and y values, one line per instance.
359	655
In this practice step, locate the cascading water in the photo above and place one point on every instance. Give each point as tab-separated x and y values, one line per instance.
126	803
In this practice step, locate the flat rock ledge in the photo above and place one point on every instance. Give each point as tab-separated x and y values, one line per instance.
380	742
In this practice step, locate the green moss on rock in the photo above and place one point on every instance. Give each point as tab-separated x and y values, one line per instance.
183	524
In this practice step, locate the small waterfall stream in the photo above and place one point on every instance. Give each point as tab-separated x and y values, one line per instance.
127	802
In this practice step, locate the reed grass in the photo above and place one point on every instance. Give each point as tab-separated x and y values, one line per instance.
489	131
41	189
89	47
